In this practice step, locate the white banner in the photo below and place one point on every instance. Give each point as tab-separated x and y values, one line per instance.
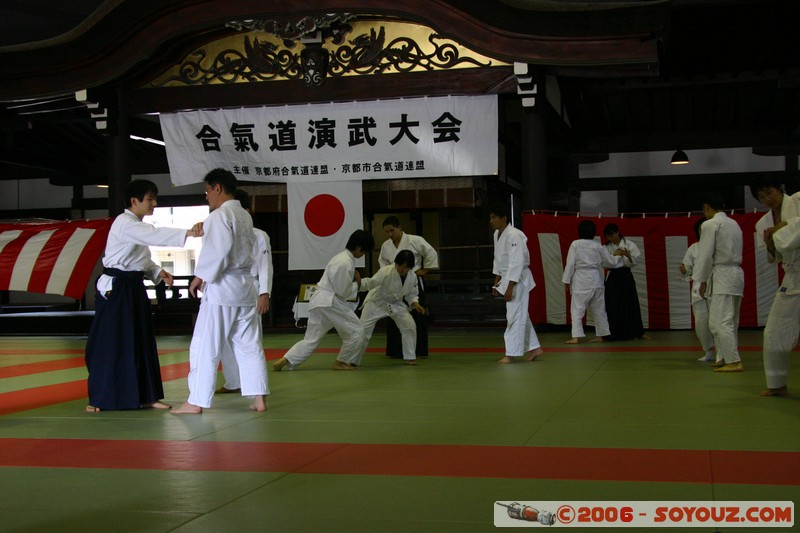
386	139
322	216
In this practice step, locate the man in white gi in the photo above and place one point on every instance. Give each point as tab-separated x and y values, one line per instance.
783	323
121	352
513	281
719	272
699	304
392	292
425	259
769	192
583	278
329	308
228	310
262	274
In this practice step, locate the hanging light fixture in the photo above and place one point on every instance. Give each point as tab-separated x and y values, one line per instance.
679	158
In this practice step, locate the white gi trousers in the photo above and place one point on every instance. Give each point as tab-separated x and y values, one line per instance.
723	321
375	310
216	327
339	315
595	300
782	330
230	369
701	328
519	337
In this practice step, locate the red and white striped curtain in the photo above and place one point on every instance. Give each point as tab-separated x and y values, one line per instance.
53	258
664	297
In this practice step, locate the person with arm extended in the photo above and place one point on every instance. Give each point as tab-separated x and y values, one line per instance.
121	351
329	308
583	278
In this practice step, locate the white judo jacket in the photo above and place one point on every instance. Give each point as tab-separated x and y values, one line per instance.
512	259
719	256
425	255
387	288
586	259
790	208
787	244
689	259
127	247
262	261
226	259
336	282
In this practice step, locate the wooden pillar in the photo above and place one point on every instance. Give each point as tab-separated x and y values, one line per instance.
119	167
534	150
77	210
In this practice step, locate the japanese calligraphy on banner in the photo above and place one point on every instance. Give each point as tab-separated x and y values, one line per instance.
54	258
387	139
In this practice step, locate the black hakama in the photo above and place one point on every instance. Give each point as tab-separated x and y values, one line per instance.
121	352
622	306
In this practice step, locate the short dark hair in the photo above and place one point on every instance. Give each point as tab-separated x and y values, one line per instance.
243	198
391	220
499	209
405	257
764	182
713	199
223	178
587	229
360	239
138	189
611	228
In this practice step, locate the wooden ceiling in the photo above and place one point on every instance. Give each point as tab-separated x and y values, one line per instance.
631	76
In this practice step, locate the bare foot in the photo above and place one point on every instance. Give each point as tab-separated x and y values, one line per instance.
505	360
341	365
598	339
187	409
279	364
780	391
412	362
571	341
156	405
92	409
534	354
259	403
223	390
646	337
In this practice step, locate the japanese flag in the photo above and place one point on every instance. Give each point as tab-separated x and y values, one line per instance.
322	216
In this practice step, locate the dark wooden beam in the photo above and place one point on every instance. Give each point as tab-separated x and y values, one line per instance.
415	84
686	140
119	38
20	171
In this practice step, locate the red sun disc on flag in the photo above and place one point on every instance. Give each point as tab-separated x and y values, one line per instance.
324	215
